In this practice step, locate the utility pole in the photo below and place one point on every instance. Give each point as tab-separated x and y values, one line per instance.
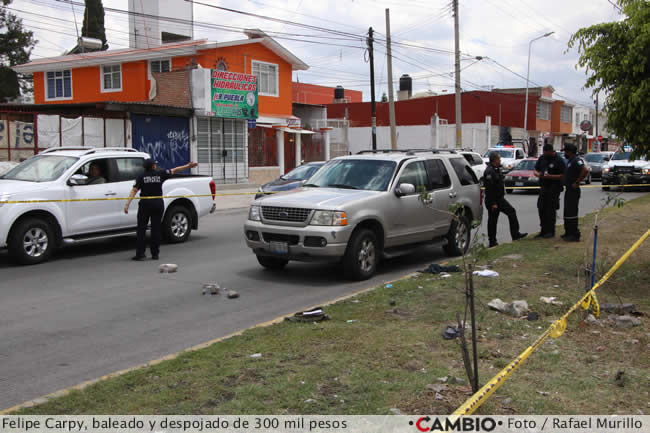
596	114
373	108
391	101
459	119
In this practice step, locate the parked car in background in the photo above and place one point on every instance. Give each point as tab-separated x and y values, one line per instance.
596	161
291	180
359	209
60	177
477	163
523	175
586	180
620	170
510	156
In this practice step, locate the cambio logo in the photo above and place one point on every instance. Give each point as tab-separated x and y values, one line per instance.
462	424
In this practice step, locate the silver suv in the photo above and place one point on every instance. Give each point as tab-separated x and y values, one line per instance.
360	208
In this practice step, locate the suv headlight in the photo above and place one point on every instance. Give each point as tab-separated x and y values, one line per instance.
329	218
645	171
605	170
254	213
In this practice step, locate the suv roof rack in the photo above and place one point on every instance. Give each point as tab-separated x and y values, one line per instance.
407	151
89	150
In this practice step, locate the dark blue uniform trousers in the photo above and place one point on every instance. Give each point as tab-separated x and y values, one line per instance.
149	210
571	201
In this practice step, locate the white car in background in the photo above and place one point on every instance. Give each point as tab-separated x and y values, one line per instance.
68	212
477	163
510	156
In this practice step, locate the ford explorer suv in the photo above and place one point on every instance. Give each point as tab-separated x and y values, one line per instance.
64	210
621	170
361	208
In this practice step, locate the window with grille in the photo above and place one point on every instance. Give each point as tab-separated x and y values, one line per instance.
111	78
59	85
565	114
164	65
221	148
543	110
267	78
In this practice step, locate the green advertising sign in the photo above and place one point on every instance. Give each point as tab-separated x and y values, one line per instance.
234	95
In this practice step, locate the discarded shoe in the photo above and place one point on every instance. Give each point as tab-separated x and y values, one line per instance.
450	333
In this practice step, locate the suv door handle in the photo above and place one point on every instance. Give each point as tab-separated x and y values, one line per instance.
452	195
110	193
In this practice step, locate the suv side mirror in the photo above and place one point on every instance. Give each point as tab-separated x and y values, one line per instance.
404	189
78	179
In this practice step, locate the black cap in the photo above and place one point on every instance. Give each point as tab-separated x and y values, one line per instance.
570	147
149	163
548	147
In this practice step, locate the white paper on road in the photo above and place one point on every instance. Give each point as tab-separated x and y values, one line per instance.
486	273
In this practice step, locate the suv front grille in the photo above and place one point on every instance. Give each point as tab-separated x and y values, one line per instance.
289	214
278	237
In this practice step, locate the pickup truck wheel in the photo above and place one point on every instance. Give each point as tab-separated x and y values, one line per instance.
458	237
31	241
361	256
273	263
177	224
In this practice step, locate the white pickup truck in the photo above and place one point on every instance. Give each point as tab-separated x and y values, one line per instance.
32	231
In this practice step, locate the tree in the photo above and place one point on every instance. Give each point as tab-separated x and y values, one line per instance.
616	56
384	97
16	47
93	26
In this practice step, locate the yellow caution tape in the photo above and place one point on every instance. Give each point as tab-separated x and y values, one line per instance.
555	330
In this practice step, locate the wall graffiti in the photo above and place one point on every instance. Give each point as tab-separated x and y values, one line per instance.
166	139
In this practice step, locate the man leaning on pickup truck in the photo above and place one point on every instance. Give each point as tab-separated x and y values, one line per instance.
150	184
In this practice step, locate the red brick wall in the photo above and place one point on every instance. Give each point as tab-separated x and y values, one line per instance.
172	88
320	95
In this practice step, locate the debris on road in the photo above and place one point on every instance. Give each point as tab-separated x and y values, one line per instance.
486	273
212	288
450	333
627	321
532	316
232	294
351	321
314	315
516	308
389	286
255	355
168	268
498	305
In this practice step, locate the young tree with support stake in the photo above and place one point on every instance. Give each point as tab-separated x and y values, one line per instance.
616	56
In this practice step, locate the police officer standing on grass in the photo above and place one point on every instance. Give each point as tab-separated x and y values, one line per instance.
550	171
576	171
150	184
496	203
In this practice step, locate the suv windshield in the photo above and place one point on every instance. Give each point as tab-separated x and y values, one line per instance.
43	168
621	155
502	152
595	157
367	174
301	173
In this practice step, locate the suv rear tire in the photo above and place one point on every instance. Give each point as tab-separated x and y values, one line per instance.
361	255
31	241
458	238
273	263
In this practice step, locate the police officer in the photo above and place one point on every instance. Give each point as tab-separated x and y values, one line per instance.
576	171
150	184
496	203
550	171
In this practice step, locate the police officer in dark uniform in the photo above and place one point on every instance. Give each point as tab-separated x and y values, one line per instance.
550	171
150	184
496	203
576	171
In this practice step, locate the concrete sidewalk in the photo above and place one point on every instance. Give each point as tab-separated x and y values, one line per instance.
235	196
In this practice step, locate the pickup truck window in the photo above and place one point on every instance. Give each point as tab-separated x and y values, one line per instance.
43	168
416	175
363	174
129	168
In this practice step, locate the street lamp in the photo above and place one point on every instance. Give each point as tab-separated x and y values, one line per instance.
530	45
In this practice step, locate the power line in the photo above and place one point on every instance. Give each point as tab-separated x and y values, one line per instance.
615	5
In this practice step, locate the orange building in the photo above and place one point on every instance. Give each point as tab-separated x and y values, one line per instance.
151	76
322	95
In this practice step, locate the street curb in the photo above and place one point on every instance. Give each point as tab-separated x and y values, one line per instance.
87	383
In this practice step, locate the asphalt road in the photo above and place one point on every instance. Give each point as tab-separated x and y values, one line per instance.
91	311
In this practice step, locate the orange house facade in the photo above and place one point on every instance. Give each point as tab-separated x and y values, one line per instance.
166	73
